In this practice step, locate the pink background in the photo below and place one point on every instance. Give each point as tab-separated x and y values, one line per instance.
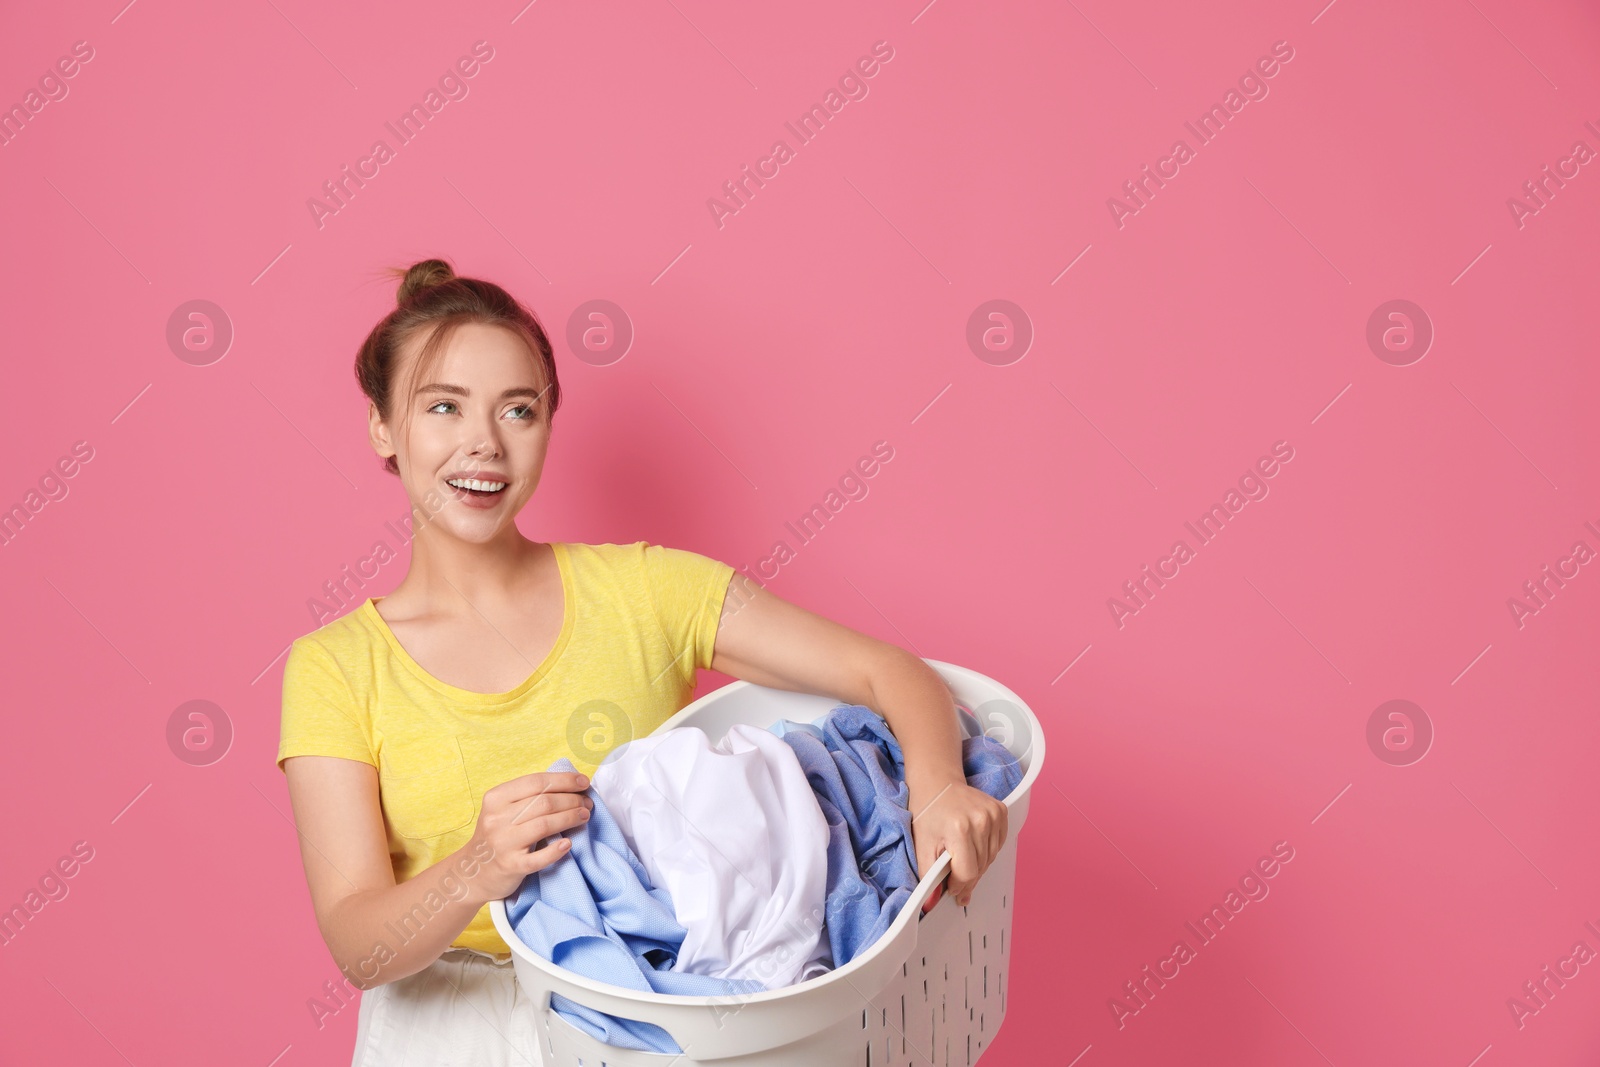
831	312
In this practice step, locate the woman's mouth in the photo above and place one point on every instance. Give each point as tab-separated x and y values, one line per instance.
475	492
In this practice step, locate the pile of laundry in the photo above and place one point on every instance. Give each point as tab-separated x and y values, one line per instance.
767	859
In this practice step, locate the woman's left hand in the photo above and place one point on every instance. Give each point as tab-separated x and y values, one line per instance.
965	822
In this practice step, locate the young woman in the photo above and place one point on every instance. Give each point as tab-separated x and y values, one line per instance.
416	727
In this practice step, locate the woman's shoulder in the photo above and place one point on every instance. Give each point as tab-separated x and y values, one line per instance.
350	636
605	565
648	558
626	550
606	549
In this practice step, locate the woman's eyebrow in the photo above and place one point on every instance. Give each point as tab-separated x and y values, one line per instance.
461	390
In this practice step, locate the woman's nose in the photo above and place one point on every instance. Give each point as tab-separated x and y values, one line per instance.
483	445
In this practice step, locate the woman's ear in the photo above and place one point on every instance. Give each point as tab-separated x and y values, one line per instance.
378	432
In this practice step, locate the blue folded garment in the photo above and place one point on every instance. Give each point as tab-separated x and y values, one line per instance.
595	913
856	769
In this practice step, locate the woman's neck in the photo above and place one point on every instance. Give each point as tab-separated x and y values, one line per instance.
447	574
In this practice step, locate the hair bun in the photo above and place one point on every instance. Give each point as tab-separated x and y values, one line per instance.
424	274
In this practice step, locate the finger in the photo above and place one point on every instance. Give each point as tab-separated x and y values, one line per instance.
938	890
543	805
964	868
927	851
548	804
983	841
1001	826
540	858
517	790
545	825
542	782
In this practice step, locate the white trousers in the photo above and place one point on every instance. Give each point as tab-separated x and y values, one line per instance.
464	1009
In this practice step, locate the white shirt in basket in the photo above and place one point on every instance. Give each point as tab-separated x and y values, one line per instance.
734	833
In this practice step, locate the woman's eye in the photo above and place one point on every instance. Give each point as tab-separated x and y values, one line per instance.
527	412
443	404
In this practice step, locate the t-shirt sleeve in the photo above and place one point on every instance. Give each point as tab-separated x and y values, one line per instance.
687	590
320	716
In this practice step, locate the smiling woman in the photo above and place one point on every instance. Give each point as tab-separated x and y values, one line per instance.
418	729
452	428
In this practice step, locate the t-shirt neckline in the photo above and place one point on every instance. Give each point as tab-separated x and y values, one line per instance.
468	696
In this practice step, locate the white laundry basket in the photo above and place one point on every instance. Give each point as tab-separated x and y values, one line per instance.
930	990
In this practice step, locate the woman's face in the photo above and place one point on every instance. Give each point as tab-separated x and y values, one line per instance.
470	441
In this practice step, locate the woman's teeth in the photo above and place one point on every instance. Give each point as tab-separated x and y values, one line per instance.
475	485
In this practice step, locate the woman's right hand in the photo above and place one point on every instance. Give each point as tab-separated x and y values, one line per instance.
517	813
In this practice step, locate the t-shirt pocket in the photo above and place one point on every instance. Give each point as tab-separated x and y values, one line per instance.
423	786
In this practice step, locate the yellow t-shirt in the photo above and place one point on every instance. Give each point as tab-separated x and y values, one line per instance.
639	620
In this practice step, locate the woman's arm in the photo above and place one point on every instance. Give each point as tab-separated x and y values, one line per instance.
377	930
767	640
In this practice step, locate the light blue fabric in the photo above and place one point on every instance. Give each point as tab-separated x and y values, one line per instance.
595	913
783	726
856	769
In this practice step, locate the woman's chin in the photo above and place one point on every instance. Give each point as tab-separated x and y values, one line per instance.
477	529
